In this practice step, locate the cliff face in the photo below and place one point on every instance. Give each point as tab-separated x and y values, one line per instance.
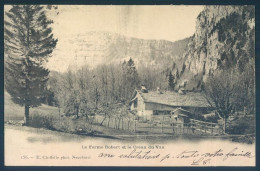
224	38
95	48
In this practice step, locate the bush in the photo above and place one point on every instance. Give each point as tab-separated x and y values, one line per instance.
64	125
244	139
83	127
243	125
42	121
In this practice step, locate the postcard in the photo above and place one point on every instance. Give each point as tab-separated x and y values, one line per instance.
128	85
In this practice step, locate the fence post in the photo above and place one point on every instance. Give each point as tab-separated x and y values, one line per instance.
205	127
108	121
134	125
211	129
183	127
118	126
151	123
122	123
162	123
172	124
191	125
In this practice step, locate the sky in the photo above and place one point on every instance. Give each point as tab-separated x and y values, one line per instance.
148	22
159	22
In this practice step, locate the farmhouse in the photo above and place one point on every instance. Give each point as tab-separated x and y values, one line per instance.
151	103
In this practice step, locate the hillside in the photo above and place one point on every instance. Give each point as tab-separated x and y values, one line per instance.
94	48
224	38
15	112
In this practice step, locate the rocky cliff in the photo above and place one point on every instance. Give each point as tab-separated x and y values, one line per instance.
95	48
224	38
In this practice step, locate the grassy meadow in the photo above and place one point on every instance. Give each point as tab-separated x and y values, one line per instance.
15	112
48	117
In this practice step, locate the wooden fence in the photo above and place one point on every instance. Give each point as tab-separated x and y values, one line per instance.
117	122
166	125
206	127
159	125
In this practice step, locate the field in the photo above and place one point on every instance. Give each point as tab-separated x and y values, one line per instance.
116	128
43	113
15	112
48	117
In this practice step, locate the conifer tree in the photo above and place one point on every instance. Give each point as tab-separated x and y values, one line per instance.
131	78
171	81
28	44
177	74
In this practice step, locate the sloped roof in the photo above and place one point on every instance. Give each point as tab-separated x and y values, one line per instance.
189	99
179	110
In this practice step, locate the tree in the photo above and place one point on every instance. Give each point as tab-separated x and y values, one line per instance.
245	99
130	78
221	91
28	44
56	87
171	81
177	74
183	68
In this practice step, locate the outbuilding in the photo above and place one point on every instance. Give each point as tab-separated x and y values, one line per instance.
147	104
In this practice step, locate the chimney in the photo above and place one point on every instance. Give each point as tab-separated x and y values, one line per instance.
143	89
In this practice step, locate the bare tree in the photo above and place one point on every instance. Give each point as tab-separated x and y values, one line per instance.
221	90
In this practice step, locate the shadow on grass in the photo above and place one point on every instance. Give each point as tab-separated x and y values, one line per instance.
71	138
67	137
102	136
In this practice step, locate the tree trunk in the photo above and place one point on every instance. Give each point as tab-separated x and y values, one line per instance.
87	117
59	112
26	114
77	112
103	119
224	125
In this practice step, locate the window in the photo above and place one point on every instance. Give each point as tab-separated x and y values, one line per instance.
155	112
161	112
135	103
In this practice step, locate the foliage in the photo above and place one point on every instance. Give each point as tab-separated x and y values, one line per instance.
235	83
48	98
245	99
171	81
28	44
42	121
64	124
130	77
85	92
220	89
243	125
177	74
231	90
238	38
248	139
152	77
220	92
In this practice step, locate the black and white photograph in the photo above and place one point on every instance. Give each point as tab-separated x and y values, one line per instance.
129	85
